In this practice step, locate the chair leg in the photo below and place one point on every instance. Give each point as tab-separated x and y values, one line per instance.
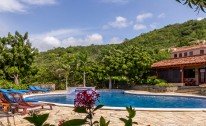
50	107
24	111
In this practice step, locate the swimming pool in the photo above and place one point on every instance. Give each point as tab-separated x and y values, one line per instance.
121	99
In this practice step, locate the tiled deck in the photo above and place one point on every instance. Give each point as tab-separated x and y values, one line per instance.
144	118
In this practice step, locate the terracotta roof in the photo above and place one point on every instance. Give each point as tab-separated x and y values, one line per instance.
188	48
187	61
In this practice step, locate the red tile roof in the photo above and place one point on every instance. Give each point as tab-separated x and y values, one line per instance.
188	48
187	61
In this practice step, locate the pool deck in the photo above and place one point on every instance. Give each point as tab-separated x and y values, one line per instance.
144	118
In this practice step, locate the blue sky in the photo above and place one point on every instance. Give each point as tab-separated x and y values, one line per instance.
62	23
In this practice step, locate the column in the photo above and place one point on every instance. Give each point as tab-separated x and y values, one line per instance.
197	76
182	74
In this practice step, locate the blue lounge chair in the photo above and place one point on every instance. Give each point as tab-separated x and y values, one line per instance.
33	89
16	100
21	91
7	91
39	88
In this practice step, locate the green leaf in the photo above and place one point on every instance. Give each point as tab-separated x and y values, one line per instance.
129	122
80	110
131	112
37	120
103	122
98	107
123	120
135	123
74	122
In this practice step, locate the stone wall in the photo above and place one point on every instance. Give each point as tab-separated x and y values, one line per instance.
152	88
203	91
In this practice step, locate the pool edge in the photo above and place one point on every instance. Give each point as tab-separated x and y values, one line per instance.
136	108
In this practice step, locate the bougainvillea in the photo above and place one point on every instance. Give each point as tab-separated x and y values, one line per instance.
86	99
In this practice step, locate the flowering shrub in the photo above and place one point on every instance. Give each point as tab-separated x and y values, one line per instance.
84	102
86	99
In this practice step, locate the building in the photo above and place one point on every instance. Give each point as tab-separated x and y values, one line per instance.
187	66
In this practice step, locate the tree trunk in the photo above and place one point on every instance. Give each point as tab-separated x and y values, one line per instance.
110	83
84	81
66	82
16	79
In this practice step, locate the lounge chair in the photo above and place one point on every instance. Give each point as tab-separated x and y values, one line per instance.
9	91
17	101
33	89
5	105
39	88
20	91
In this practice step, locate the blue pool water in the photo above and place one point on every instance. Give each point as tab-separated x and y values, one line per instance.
121	99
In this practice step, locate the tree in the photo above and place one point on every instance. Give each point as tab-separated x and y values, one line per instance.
197	4
18	55
112	60
83	62
67	63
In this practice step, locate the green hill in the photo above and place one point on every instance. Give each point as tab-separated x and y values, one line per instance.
175	35
172	35
151	47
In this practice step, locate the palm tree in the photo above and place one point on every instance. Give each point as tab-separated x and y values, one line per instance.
82	65
197	4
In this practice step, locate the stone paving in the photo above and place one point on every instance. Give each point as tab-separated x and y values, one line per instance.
144	118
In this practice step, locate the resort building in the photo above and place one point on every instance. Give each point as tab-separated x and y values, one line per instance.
187	66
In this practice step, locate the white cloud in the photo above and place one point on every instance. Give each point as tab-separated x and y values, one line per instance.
143	16
11	6
15	6
139	27
116	1
162	15
115	40
50	40
62	33
64	38
200	18
39	2
94	38
120	22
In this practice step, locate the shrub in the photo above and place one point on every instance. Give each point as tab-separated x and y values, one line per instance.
128	121
7	85
162	84
154	80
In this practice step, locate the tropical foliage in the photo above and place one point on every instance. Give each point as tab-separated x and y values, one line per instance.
117	65
120	64
16	57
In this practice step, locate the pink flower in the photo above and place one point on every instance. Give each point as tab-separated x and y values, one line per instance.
86	99
61	122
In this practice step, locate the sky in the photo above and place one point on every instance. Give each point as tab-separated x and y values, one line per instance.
63	23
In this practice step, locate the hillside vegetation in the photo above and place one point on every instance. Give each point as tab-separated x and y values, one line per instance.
154	44
122	64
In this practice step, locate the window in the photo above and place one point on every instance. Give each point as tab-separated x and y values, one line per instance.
180	55
175	55
201	52
185	54
189	73
190	53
